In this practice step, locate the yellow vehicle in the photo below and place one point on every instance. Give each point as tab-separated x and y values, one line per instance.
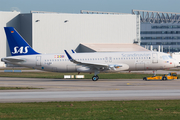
169	76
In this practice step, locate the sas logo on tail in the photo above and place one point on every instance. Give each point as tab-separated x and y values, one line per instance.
20	50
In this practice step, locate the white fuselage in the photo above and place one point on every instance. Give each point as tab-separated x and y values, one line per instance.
133	61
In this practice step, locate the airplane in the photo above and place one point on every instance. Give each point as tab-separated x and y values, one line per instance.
95	62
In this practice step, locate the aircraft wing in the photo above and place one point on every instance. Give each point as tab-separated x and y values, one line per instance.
13	59
99	66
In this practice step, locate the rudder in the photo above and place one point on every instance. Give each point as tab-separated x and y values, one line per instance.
17	45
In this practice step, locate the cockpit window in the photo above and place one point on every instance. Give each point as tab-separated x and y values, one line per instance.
166	57
170	57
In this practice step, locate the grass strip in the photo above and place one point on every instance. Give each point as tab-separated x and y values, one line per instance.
54	75
93	110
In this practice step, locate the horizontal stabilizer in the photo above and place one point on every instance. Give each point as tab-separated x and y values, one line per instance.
12	60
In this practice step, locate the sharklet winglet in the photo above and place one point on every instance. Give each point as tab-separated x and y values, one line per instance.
69	57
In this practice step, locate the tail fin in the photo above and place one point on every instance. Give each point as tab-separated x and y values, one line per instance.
17	45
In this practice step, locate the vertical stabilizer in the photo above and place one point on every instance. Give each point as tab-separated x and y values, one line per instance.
17	45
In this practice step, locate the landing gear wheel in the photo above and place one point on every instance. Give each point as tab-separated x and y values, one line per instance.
164	78
145	78
95	78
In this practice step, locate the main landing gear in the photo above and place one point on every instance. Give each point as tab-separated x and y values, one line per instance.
95	78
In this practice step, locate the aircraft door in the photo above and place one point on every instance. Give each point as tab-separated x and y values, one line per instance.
110	59
106	59
38	60
154	58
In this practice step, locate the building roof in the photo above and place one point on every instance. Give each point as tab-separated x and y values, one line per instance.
157	16
88	47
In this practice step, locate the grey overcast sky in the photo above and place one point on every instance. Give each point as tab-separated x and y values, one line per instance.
74	6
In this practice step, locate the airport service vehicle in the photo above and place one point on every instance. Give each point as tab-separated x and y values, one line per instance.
170	76
24	55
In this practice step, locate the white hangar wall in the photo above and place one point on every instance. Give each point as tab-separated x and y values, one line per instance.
53	32
7	19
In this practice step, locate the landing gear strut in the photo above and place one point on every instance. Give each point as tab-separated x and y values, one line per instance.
95	78
154	72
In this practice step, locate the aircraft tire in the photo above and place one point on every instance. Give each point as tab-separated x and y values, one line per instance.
164	78
95	78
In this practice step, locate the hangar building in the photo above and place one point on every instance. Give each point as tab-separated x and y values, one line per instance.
89	31
160	29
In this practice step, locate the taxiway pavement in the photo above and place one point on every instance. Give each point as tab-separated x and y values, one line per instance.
87	90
